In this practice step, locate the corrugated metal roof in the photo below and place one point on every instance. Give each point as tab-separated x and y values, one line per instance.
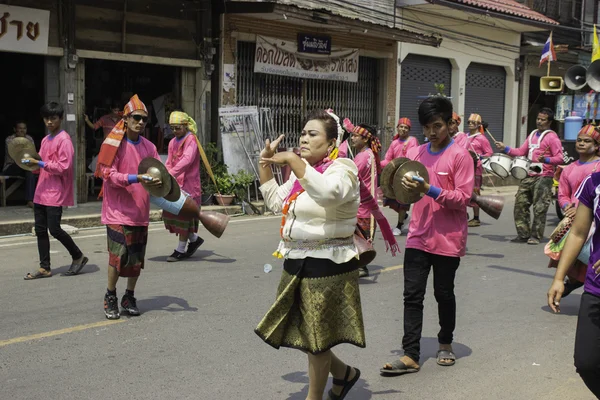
380	12
509	7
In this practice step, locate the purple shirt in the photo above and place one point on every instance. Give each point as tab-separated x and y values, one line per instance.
589	195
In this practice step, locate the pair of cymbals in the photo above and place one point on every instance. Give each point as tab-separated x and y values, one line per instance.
391	179
169	189
20	148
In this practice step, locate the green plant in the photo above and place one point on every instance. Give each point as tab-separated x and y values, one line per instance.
217	166
225	183
242	180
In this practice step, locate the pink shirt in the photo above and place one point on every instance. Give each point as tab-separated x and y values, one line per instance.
480	145
399	148
125	203
106	123
363	161
343	150
55	185
550	147
570	179
439	226
183	163
459	138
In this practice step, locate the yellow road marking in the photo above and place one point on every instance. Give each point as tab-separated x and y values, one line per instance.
59	332
392	268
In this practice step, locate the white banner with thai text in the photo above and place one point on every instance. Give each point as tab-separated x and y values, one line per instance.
281	57
24	30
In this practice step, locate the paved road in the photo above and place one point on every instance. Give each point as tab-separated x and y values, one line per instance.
195	338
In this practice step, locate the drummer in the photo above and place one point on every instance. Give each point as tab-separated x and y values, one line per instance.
454	129
544	149
438	244
401	144
475	141
126	205
571	176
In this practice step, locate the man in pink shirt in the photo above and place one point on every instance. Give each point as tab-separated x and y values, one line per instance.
54	191
475	141
401	144
126	205
106	122
544	149
438	244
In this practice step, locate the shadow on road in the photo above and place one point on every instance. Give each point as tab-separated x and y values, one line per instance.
359	391
165	303
200	255
521	271
430	346
88	269
497	238
568	306
488	255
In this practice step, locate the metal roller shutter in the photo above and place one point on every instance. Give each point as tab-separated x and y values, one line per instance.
419	74
291	98
485	89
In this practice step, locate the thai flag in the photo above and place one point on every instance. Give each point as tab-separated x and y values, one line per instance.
548	53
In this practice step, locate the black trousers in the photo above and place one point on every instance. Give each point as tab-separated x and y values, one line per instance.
30	179
417	264
587	342
48	219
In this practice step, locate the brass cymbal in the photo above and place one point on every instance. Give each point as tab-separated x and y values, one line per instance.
175	192
152	167
20	148
409	168
387	176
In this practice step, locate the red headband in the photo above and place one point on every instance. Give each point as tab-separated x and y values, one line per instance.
404	121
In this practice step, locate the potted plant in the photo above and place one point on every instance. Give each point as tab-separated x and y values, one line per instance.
218	168
226	186
241	181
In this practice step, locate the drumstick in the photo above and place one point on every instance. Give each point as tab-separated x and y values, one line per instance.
494	139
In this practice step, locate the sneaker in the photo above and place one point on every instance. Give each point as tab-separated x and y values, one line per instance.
129	304
363	272
533	240
519	240
176	256
397	231
474	222
111	307
193	246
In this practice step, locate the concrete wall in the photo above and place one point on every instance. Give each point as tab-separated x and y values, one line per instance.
461	52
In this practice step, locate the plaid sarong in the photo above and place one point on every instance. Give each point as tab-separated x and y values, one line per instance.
127	248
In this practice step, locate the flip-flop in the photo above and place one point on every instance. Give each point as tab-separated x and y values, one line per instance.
446	355
345	383
76	268
37	275
398	368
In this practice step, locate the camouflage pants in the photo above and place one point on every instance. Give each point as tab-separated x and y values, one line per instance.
536	191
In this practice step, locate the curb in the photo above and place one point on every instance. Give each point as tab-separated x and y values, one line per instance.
25	226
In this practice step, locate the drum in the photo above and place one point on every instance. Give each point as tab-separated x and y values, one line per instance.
500	164
519	168
486	164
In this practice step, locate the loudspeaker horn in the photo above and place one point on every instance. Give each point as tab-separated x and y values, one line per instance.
593	76
491	205
575	78
551	84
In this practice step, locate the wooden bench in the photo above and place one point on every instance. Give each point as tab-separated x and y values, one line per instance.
5	192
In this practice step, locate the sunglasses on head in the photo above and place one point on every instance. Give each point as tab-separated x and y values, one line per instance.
138	118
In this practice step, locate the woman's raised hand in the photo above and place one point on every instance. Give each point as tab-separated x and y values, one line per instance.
271	147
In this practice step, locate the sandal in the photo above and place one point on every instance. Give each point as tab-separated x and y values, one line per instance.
446	355
398	368
77	267
38	275
345	383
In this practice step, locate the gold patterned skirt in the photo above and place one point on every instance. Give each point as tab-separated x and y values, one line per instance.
317	307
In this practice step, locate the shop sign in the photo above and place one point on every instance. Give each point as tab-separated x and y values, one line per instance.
314	44
24	30
281	57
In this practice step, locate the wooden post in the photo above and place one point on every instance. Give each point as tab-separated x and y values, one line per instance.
124	28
